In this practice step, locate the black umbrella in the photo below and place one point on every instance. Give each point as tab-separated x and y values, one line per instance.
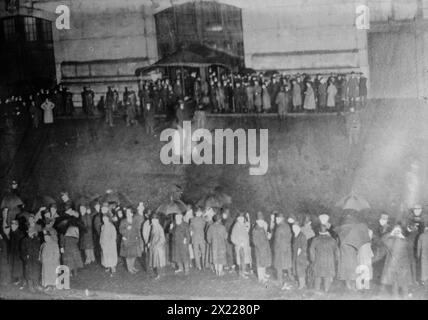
247	71
270	73
172	207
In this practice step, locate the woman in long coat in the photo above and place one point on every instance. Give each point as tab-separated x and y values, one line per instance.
49	256
283	102
241	239
266	99
87	237
297	96
17	265
300	257
130	247
249	91
282	251
30	249
309	103
331	95
217	237
69	244
397	271
108	244
322	94
180	244
157	254
261	247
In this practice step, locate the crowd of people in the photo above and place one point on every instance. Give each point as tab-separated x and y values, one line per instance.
294	250
223	93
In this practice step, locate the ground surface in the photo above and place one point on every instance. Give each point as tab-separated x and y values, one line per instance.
198	285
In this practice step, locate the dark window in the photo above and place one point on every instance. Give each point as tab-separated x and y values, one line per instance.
9	29
46	29
30	28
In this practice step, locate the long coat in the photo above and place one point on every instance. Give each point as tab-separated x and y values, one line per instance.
49	256
180	250
322	94
217	237
87	237
422	251
283	101
14	254
157	257
331	96
241	239
309	103
72	257
47	112
282	247
130	247
323	254
262	248
297	95
108	245
258	97
4	265
30	249
300	261
397	264
266	100
197	226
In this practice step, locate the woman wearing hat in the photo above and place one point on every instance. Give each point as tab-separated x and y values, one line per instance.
50	258
217	237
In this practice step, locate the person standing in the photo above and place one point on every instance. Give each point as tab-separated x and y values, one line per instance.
323	253
258	100
109	106
30	248
157	253
180	244
422	255
217	237
69	244
108	244
322	94
282	250
283	101
397	271
309	103
87	238
50	259
331	95
241	240
296	95
149	118
197	229
300	258
47	107
260	239
130	247
363	90
352	90
250	91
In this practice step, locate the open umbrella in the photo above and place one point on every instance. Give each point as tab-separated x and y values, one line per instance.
270	73
247	71
116	197
11	201
353	202
172	207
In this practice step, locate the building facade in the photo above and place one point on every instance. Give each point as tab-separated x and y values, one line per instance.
109	39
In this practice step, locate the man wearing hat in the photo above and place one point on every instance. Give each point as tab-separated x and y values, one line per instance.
180	244
240	238
282	249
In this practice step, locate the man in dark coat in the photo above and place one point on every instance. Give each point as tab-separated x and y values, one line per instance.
30	249
282	249
352	90
323	253
109	106
149	118
363	90
197	231
261	247
180	244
